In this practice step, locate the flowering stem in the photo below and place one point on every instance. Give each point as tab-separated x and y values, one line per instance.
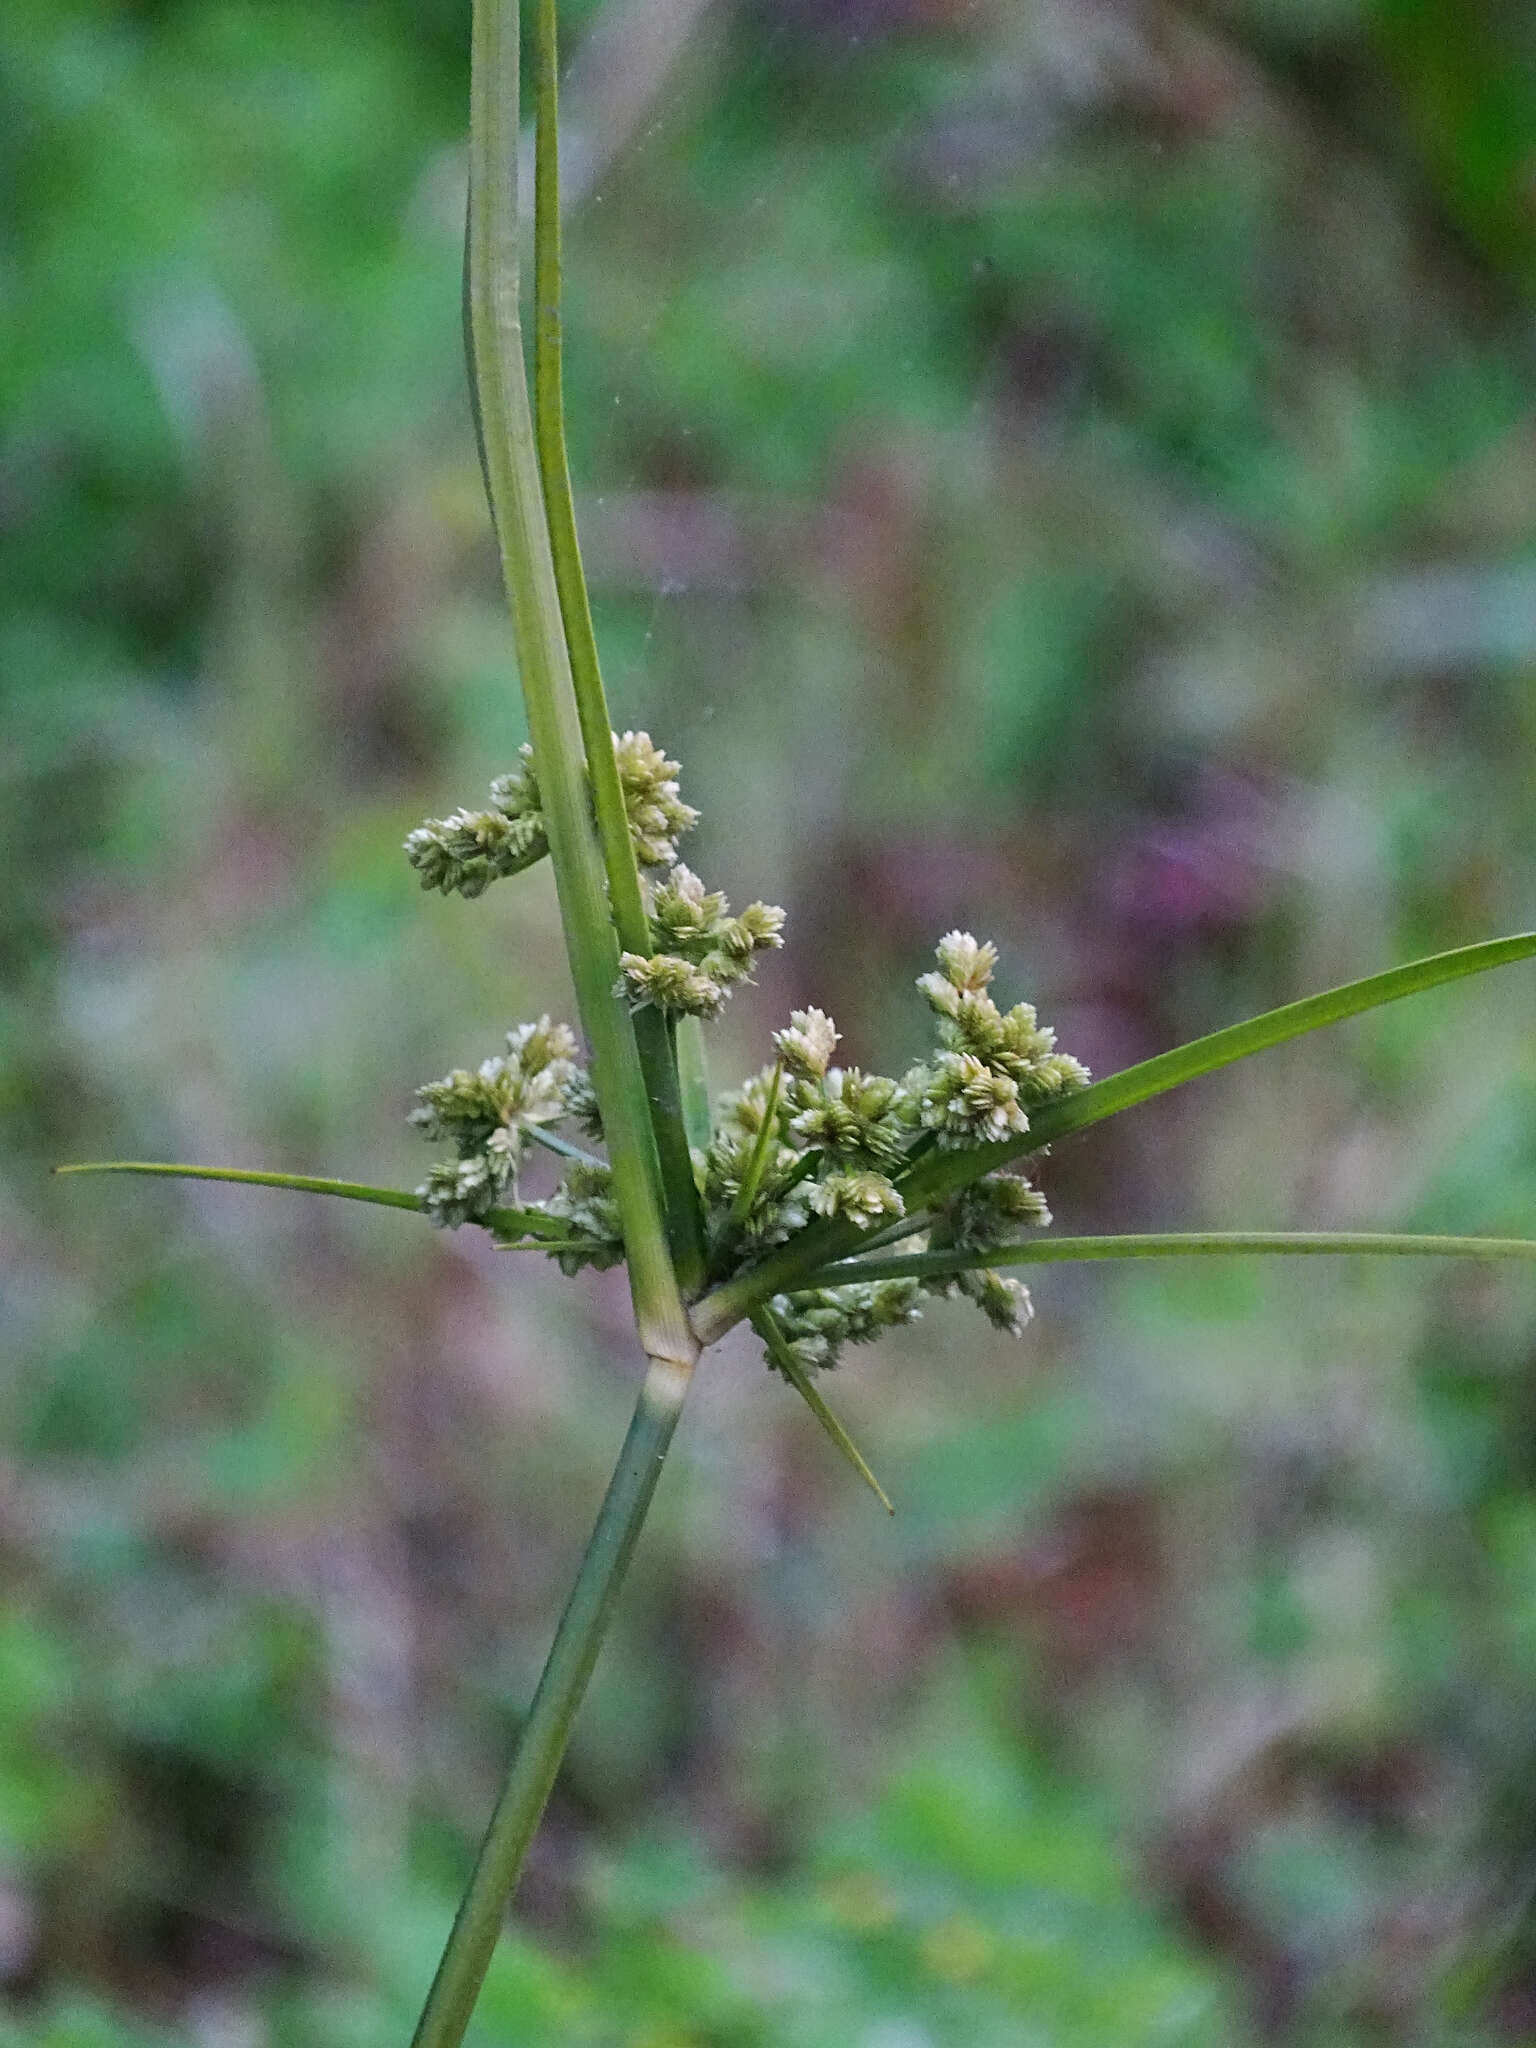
545	1732
561	1147
553	720
658	1062
568	749
768	1136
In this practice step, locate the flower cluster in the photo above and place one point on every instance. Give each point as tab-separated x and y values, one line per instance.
490	1117
702	952
802	1141
994	1066
468	850
657	815
806	1138
989	1212
817	1324
584	1199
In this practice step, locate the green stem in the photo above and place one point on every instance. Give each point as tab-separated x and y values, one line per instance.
664	1094
685	1224
1212	1244
783	1271
556	729
542	1742
893	1232
553	720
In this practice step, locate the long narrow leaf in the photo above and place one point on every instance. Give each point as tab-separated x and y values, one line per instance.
766	1324
943	1171
1168	1244
528	1221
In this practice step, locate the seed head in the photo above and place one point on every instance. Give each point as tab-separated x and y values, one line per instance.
807	1045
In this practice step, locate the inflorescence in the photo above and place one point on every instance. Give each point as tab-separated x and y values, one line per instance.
467	851
800	1140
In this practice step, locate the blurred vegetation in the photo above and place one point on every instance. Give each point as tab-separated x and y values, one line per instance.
1065	471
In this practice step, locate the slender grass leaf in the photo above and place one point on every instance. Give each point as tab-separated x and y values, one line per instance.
941	1172
766	1324
528	1221
1211	1244
653	1039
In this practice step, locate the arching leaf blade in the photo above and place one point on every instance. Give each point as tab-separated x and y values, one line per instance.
528	1221
766	1324
1175	1244
941	1172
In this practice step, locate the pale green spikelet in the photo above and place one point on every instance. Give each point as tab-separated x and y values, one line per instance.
1004	1302
462	1190
487	1113
1058	1073
468	850
668	982
863	1198
807	1044
685	915
965	1102
658	817
850	1115
585	1200
968	963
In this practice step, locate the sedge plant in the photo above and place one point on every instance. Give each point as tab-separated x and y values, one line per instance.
815	1202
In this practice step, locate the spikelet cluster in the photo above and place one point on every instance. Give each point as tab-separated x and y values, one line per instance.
653	802
994	1065
702	952
812	1138
468	850
803	1139
487	1113
816	1325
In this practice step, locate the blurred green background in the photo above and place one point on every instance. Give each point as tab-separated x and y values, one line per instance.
1062	469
